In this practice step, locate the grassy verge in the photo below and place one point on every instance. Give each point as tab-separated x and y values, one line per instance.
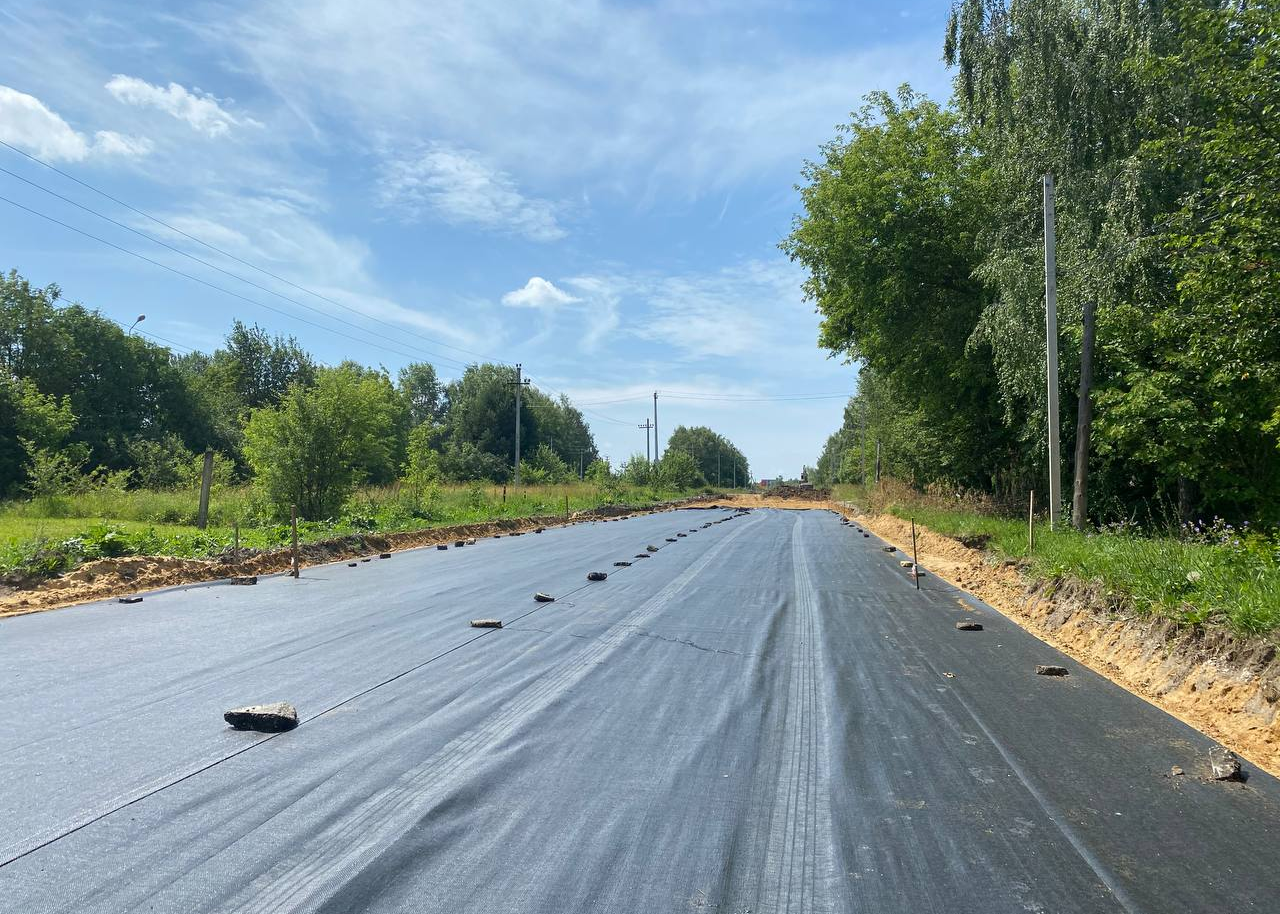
1214	573
45	537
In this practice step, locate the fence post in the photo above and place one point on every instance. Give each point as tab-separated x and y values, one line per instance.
915	560
1031	523
293	522
206	481
236	539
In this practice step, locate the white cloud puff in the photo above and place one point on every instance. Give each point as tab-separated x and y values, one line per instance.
538	293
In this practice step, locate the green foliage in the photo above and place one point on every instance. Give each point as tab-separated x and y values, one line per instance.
922	236
888	237
463	461
714	455
545	467
163	463
422	389
677	470
1209	573
320	441
636	470
599	472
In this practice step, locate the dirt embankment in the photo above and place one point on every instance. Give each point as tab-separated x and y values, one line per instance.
1217	681
107	578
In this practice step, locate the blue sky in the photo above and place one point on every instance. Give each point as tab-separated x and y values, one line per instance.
595	190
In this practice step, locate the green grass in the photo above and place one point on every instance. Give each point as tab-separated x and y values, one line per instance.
42	537
1219	574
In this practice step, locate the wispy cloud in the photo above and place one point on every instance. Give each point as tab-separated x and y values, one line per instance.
576	89
203	112
277	235
459	187
26	122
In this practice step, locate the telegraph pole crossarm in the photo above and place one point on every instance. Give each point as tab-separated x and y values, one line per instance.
647	425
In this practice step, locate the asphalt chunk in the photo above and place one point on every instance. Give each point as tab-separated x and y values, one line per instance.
276	717
1049	669
486	623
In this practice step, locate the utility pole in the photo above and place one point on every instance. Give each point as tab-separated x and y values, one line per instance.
647	425
656	455
1051	350
719	481
520	385
864	442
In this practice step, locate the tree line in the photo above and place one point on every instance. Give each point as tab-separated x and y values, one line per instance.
922	236
84	404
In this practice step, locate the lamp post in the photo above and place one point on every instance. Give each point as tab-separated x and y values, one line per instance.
140	319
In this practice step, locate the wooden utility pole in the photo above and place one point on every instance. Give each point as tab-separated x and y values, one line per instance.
1084	421
520	386
1051	351
206	482
864	443
656	455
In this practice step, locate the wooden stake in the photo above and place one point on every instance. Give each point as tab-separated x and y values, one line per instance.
1031	523
293	521
915	561
206	482
236	539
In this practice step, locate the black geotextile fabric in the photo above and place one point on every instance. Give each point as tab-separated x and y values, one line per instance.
765	716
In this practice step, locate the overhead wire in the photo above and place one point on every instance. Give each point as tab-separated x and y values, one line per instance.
584	407
212	266
228	254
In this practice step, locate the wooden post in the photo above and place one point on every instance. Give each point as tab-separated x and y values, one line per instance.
1051	351
236	539
915	561
206	481
566	506
293	522
1031	523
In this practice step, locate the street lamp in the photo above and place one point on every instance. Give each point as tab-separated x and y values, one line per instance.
141	318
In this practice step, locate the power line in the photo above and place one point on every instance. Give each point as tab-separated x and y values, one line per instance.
247	263
219	250
225	272
203	282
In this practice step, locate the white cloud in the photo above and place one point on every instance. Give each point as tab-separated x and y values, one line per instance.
26	122
458	186
199	109
538	293
575	89
111	143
